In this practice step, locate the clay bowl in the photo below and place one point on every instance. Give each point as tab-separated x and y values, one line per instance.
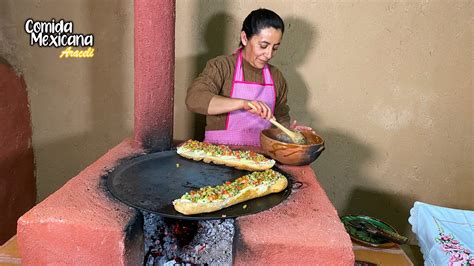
290	153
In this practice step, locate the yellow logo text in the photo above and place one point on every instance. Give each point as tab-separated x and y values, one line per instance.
69	52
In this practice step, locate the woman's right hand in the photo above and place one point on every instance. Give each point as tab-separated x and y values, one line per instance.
261	109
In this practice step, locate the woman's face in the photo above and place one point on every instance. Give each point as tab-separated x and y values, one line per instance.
261	47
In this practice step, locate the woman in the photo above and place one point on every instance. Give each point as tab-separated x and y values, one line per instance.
228	84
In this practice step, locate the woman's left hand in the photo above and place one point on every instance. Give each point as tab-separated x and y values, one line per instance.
295	126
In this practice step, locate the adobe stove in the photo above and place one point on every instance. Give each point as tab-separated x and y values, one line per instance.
82	223
151	182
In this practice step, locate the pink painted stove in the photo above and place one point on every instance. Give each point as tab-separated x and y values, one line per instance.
82	224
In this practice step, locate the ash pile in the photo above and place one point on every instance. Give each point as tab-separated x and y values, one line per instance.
184	242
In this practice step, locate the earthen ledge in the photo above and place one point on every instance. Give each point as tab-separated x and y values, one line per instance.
81	223
305	229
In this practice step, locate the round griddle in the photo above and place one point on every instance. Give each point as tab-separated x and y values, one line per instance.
151	182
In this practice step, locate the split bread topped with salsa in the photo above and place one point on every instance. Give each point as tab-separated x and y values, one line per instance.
222	154
210	199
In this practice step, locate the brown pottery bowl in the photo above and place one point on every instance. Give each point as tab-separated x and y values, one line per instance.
290	153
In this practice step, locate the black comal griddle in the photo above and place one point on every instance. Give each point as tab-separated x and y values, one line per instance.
151	182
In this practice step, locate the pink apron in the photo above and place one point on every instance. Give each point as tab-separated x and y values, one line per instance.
243	127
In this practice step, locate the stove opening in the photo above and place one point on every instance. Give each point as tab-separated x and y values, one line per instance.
186	242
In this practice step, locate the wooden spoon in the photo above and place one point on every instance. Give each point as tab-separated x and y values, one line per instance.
295	136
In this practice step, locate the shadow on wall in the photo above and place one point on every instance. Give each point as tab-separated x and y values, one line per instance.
216	28
63	158
339	169
299	39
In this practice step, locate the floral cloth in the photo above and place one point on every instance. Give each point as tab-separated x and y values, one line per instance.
458	255
446	236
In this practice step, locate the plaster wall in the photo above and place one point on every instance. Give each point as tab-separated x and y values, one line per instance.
388	84
80	107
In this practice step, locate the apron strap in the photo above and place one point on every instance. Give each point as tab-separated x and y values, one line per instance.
239	72
267	77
